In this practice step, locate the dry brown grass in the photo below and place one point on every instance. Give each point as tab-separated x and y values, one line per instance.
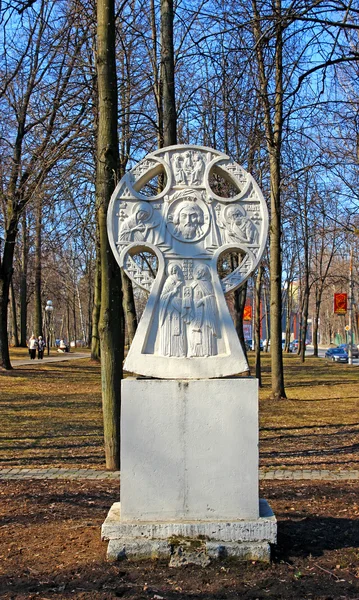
318	425
51	416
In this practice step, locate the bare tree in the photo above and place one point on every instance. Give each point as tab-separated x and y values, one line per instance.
107	169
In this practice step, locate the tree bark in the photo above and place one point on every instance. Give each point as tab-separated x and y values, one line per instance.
37	270
257	322
6	269
167	74
240	296
129	307
15	335
23	283
95	338
273	127
111	313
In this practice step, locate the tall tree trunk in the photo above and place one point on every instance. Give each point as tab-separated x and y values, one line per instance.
129	307
273	127
240	296
37	269
157	83
6	269
304	319
267	319
257	323
288	311
168	74
23	283
74	321
107	168
15	335
95	338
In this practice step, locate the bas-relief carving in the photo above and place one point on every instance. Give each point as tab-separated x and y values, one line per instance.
135	226
188	227
188	167
188	316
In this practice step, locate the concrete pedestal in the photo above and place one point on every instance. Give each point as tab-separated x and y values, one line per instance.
189	472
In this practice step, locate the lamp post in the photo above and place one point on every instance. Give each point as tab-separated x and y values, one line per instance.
48	309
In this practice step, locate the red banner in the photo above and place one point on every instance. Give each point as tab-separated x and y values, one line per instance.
247	313
340	304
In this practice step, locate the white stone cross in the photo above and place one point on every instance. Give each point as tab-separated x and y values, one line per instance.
186	331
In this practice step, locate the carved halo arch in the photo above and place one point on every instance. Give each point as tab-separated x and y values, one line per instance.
160	166
217	166
247	256
136	248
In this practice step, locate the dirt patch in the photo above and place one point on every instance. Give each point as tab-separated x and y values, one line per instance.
50	548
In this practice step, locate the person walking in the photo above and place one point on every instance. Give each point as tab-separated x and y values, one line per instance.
40	348
32	347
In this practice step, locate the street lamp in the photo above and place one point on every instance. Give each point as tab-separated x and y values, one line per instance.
48	310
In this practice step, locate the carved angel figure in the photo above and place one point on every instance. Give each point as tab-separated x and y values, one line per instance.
135	228
172	328
204	325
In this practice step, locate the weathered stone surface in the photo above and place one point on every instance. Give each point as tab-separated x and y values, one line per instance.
189	450
190	543
257	530
186	553
243	551
137	549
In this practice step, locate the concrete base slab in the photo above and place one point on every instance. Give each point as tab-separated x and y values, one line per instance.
193	542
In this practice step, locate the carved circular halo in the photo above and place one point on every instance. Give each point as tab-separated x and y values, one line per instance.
188	217
231	208
142	206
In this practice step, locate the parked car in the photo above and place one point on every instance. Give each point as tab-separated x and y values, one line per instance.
248	344
336	355
355	350
290	347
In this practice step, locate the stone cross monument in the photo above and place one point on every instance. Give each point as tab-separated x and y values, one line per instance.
186	331
189	458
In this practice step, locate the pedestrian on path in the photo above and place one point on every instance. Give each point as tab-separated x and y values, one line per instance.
32	347
40	348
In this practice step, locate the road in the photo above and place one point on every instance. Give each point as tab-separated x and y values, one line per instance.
322	351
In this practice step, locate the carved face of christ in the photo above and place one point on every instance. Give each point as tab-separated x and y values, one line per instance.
189	221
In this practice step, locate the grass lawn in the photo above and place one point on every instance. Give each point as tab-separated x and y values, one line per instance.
51	415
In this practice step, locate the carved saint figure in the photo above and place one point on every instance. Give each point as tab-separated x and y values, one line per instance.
172	328
188	219
178	169
238	228
198	169
135	228
204	325
188	166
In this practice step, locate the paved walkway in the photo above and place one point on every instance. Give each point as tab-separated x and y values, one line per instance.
283	474
19	362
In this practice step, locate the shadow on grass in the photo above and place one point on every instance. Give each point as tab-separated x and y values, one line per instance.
352	448
321	427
